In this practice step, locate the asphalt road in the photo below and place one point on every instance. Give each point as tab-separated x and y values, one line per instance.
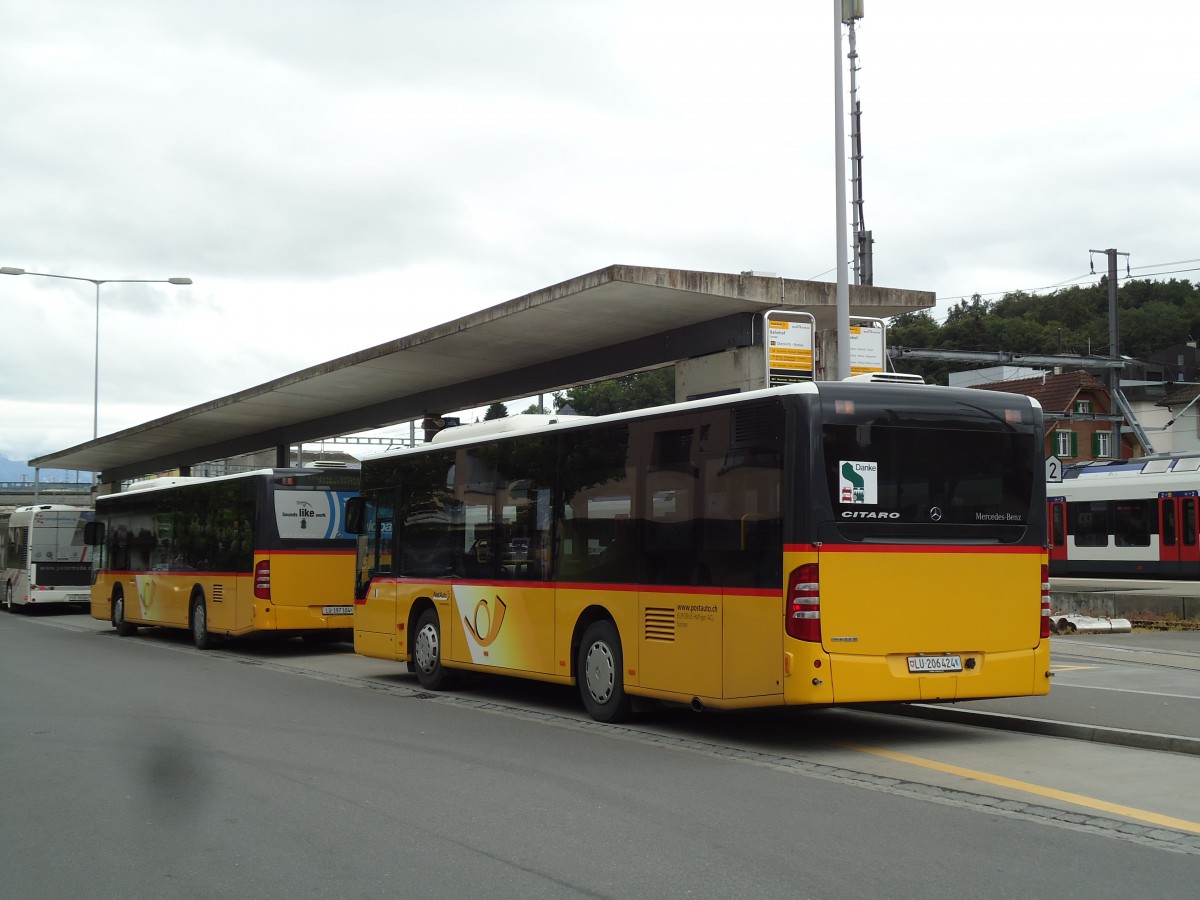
140	767
1140	688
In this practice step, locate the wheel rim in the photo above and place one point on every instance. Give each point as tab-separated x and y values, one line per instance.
199	625
427	649
600	670
119	611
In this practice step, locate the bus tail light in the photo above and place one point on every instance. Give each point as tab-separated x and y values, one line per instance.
804	603
262	580
1045	632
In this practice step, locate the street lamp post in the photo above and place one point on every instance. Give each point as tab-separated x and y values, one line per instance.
10	270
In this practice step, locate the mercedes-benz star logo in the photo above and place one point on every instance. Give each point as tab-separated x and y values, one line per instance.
935	513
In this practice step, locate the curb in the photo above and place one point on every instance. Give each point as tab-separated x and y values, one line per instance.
1123	737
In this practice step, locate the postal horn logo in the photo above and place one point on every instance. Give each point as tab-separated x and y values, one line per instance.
487	622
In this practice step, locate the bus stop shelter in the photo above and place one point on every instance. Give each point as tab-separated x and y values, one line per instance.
605	323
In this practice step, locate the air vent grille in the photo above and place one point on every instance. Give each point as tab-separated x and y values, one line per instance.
757	425
660	624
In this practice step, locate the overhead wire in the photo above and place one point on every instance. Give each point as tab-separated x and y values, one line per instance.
1087	276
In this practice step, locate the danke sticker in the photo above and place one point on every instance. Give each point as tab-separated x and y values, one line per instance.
858	482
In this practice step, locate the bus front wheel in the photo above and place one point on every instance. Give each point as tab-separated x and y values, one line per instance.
600	673
201	636
427	653
124	629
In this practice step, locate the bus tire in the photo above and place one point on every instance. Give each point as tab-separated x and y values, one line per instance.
198	622
427	653
600	673
8	604
124	629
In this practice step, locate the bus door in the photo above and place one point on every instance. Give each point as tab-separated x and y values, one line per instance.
1056	534
1177	532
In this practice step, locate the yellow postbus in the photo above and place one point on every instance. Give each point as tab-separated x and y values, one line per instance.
264	551
820	543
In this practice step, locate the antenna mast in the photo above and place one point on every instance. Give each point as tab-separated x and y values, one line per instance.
852	11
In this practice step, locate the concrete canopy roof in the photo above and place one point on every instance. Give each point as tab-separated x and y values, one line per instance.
614	320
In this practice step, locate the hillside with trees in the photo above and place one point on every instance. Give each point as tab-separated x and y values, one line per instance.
1153	315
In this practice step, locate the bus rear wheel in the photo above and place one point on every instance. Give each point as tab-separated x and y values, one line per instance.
427	653
201	636
600	673
124	629
8	604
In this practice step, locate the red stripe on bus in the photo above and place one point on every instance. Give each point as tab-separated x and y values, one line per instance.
349	552
913	548
191	573
587	586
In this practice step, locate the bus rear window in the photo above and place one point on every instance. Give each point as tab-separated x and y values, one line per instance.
926	482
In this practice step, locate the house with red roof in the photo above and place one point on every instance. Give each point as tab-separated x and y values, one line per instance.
1077	410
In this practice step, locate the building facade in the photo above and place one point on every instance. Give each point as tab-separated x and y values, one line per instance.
1078	412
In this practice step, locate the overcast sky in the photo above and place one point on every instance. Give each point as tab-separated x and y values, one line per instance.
334	174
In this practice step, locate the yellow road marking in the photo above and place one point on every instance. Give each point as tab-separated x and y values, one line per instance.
1029	788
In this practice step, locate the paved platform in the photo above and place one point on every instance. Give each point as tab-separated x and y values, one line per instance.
1139	689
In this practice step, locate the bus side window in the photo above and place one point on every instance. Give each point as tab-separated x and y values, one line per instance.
742	536
475	527
597	481
118	547
1189	521
427	517
527	473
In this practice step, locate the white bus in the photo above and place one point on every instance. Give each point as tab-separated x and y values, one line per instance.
44	558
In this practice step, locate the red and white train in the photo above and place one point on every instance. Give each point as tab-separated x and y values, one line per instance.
1129	518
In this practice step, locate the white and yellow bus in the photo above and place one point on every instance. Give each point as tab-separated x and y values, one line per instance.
820	543
264	551
43	557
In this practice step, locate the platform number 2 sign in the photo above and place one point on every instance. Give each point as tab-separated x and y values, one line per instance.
1053	468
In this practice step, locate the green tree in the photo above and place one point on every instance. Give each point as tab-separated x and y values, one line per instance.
919	331
1154	315
557	399
624	393
496	411
914	329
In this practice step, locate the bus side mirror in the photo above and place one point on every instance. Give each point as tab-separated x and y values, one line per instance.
356	514
93	533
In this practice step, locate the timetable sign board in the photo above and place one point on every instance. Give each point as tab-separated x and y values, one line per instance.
789	347
867	350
